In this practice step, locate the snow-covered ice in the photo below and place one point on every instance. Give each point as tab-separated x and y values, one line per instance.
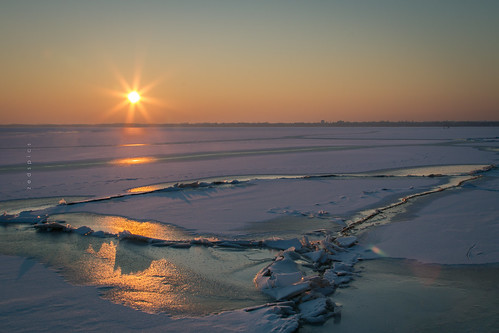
269	214
456	228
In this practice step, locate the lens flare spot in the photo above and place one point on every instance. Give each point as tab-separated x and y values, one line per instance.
378	251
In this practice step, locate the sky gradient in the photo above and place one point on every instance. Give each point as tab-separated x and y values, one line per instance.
65	62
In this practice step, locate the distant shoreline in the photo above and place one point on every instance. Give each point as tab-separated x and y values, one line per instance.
297	124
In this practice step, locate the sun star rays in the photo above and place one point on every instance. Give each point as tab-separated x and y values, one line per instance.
133	98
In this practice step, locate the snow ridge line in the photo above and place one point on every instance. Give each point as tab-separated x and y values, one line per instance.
241	179
377	212
403	201
172	188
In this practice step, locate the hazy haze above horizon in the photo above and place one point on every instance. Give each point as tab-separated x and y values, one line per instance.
70	62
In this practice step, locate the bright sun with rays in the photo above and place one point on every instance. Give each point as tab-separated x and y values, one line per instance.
133	97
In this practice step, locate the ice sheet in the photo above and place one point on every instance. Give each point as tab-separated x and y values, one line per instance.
65	170
458	225
457	228
228	210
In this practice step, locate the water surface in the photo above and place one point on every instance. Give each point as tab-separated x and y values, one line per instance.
394	295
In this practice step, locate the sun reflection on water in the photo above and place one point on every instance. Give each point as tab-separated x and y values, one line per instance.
133	160
116	224
134	145
153	289
195	281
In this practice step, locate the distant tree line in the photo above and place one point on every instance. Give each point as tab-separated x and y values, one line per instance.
350	124
322	123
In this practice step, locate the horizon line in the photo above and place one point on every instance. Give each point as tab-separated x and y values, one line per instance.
322	123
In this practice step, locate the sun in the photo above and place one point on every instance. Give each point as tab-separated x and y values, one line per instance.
133	97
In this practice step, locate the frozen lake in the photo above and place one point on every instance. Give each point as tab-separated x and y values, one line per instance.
203	226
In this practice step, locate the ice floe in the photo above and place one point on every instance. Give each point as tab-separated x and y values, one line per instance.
346	241
22	217
332	264
317	310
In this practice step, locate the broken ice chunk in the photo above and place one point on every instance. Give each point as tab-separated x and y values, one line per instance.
287	292
315	311
346	241
287	279
53	226
83	230
336	279
342	267
316	256
282	244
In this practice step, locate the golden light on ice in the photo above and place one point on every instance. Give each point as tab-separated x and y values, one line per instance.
133	97
133	160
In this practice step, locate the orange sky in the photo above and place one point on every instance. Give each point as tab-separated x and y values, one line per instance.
248	61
